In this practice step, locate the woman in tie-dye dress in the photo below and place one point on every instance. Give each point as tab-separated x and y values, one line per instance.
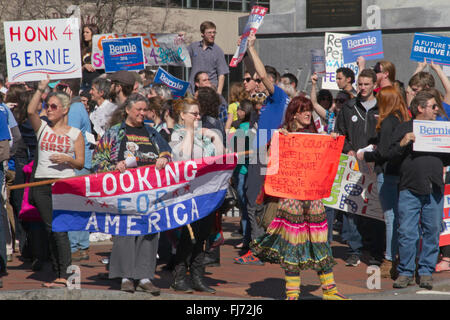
297	237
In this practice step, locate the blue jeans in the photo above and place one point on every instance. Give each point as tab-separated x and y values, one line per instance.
79	239
412	210
387	186
243	207
350	233
2	228
330	221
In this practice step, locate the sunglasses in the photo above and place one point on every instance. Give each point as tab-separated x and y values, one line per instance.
340	100
377	68
250	79
259	95
53	106
434	106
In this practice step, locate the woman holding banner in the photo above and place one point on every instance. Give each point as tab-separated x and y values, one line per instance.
132	257
297	237
189	141
60	150
392	111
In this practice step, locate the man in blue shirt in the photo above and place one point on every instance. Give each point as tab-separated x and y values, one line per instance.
79	118
270	119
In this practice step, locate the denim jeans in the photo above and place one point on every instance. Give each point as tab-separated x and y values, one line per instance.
2	228
79	239
243	207
387	186
330	221
412	210
351	234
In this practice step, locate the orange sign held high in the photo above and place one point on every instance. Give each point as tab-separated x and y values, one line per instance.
304	167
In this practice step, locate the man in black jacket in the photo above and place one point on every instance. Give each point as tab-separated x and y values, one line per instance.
357	121
421	197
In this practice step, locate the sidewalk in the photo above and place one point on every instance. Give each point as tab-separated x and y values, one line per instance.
232	281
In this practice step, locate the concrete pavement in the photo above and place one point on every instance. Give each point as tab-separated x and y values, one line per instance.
232	281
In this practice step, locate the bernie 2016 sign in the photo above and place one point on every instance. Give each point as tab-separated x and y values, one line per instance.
37	48
123	54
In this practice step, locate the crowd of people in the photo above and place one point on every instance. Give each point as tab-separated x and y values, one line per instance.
107	122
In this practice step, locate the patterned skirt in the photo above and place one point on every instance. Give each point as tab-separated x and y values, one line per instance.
297	237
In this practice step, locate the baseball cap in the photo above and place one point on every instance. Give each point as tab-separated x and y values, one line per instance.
122	76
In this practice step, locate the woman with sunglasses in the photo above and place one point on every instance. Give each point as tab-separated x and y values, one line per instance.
392	112
60	150
191	141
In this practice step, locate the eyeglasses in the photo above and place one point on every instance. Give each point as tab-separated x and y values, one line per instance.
211	32
259	95
53	106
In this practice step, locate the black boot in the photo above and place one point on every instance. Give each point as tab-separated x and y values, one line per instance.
212	257
180	282
197	279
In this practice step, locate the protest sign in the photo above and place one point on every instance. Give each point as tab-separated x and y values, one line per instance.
368	45
354	191
432	136
444	239
177	86
37	48
307	165
159	49
143	200
254	21
334	59
431	47
318	62
123	54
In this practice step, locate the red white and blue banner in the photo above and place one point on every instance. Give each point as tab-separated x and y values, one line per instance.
142	200
444	239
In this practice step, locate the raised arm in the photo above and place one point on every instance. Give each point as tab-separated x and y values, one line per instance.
259	66
444	80
321	111
33	106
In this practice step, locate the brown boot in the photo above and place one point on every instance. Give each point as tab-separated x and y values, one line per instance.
385	268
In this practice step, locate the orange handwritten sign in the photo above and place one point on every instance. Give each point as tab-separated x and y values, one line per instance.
304	167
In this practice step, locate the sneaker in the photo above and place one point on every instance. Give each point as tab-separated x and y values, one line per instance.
248	258
403	282
353	261
426	282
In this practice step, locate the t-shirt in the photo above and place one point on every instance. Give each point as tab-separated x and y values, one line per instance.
137	145
232	108
51	143
447	111
272	114
4	130
369	104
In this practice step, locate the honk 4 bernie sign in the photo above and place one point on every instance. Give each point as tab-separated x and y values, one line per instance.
37	48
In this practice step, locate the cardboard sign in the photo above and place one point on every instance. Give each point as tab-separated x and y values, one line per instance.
334	58
432	136
123	54
159	49
444	239
318	62
177	86
37	48
354	191
253	23
431	47
368	45
307	164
